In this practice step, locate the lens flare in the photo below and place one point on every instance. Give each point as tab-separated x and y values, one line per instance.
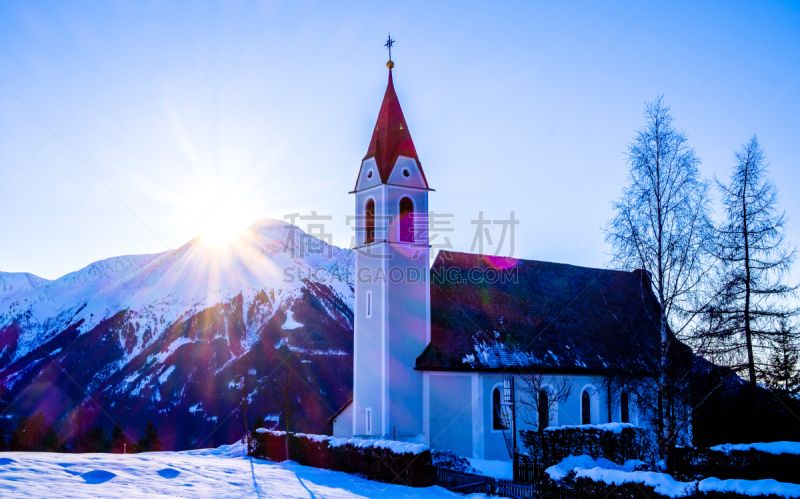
220	235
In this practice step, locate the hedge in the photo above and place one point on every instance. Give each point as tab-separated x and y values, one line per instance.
380	460
690	463
617	442
586	488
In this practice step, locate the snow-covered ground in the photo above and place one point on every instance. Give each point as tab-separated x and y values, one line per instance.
497	469
221	472
603	470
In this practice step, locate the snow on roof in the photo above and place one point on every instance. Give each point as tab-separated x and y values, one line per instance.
491	313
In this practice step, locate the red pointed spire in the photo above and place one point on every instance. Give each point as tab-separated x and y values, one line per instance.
391	137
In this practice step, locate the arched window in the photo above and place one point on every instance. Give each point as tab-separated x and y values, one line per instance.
623	406
497	420
586	408
406	220
544	410
369	222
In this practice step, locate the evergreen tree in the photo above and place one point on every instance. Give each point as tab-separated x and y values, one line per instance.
93	440
119	441
284	390
149	441
753	261
33	434
783	373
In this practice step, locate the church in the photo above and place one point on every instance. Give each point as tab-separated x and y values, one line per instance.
445	354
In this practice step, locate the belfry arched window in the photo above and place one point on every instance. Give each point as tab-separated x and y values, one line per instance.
586	408
544	409
623	405
406	220
369	222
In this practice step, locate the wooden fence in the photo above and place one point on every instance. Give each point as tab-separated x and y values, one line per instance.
470	483
527	470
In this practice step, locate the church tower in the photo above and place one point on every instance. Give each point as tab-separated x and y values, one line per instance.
392	292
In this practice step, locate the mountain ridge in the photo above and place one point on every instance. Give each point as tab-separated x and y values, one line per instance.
124	328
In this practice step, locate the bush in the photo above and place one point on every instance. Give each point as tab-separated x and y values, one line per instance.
382	460
690	463
584	487
617	442
452	461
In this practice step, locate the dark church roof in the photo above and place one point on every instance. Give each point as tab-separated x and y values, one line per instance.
555	317
391	138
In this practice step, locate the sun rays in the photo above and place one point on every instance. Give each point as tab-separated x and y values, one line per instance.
220	235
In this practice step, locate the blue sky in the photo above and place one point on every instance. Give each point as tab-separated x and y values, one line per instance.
131	127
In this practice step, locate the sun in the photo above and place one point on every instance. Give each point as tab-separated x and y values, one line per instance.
219	235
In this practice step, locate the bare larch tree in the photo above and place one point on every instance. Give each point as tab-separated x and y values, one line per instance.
753	260
661	225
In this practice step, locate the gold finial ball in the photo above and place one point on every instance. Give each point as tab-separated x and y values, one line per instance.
390	64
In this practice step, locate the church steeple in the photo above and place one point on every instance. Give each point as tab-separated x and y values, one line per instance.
391	137
391	314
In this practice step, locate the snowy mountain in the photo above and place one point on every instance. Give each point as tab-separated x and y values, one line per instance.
14	283
166	337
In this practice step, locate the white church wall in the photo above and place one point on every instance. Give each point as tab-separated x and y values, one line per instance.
494	446
369	380
567	412
369	337
407	329
527	410
408	312
570	412
458	413
591	388
343	423
451	412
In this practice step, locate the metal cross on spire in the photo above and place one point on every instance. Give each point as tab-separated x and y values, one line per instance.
388	45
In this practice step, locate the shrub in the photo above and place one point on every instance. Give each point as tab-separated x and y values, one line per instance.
452	461
690	463
617	442
379	460
650	486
